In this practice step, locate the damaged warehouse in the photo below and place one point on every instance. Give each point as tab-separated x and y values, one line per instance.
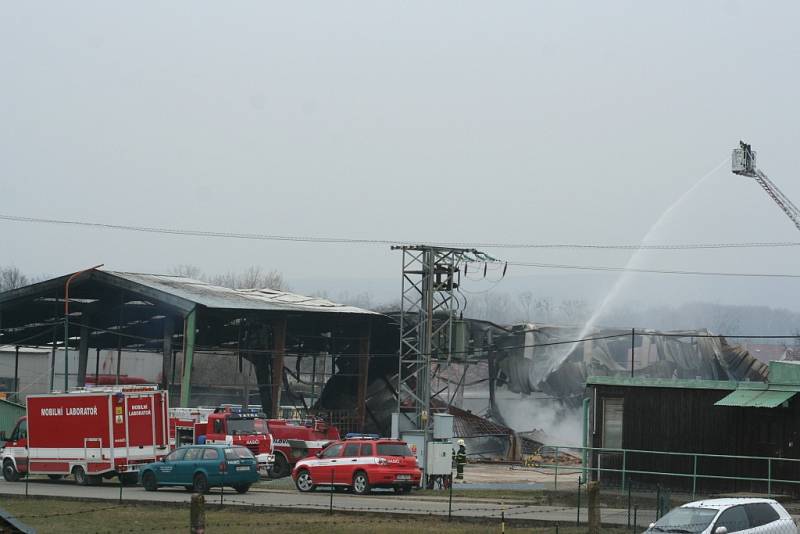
511	388
515	387
237	341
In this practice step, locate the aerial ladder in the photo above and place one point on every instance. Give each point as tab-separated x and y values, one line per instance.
743	163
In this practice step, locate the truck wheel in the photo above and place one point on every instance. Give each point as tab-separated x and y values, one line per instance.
128	479
304	482
80	476
10	472
281	467
149	481
241	488
200	483
360	483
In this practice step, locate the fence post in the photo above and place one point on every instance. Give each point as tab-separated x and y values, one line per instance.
769	477
197	515
629	503
120	490
624	462
555	479
503	520
592	492
450	499
578	518
635	518
333	468
694	477
658	500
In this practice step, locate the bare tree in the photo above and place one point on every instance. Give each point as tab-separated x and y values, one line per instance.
11	278
526	305
252	278
574	311
359	300
187	271
545	309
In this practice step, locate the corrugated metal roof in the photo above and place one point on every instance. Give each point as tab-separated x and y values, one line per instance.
661	382
756	398
212	296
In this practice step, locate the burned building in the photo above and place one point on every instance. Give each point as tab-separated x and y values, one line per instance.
212	344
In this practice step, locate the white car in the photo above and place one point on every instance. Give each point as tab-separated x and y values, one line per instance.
724	516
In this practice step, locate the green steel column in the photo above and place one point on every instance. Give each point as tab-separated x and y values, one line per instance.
188	356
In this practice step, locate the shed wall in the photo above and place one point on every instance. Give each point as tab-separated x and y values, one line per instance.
686	420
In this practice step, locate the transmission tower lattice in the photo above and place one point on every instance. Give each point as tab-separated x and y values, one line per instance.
428	306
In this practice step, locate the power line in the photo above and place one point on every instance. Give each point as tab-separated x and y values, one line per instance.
384	242
650	271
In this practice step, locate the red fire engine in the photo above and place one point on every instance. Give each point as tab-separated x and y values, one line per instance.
277	443
223	425
89	433
294	440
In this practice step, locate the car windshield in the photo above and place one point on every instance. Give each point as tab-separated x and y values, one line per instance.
247	426
393	449
685	519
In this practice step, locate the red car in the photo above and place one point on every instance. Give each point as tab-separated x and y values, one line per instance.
361	464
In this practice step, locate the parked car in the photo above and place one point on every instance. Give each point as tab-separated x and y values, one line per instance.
725	516
200	467
361	464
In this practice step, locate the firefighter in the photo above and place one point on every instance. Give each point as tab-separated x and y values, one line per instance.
460	458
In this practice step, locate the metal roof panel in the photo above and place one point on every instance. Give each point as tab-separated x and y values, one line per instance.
660	382
212	296
756	398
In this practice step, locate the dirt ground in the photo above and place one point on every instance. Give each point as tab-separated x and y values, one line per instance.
502	474
55	516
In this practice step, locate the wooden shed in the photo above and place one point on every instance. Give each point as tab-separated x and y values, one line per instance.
698	418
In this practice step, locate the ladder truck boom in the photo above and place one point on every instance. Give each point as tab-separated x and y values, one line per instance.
743	163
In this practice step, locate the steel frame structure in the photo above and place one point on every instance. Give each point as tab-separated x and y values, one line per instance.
428	305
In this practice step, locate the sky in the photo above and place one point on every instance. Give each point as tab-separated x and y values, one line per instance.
510	122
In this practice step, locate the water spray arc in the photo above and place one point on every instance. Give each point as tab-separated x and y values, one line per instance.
633	262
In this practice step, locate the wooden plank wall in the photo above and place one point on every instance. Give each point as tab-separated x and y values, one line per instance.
686	420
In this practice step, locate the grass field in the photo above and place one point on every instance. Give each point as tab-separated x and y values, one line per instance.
59	516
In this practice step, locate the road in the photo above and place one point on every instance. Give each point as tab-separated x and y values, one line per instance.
320	500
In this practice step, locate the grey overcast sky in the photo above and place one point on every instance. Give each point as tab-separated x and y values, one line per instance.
468	121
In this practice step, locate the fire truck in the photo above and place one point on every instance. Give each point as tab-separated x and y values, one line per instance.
290	440
226	425
294	440
91	434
